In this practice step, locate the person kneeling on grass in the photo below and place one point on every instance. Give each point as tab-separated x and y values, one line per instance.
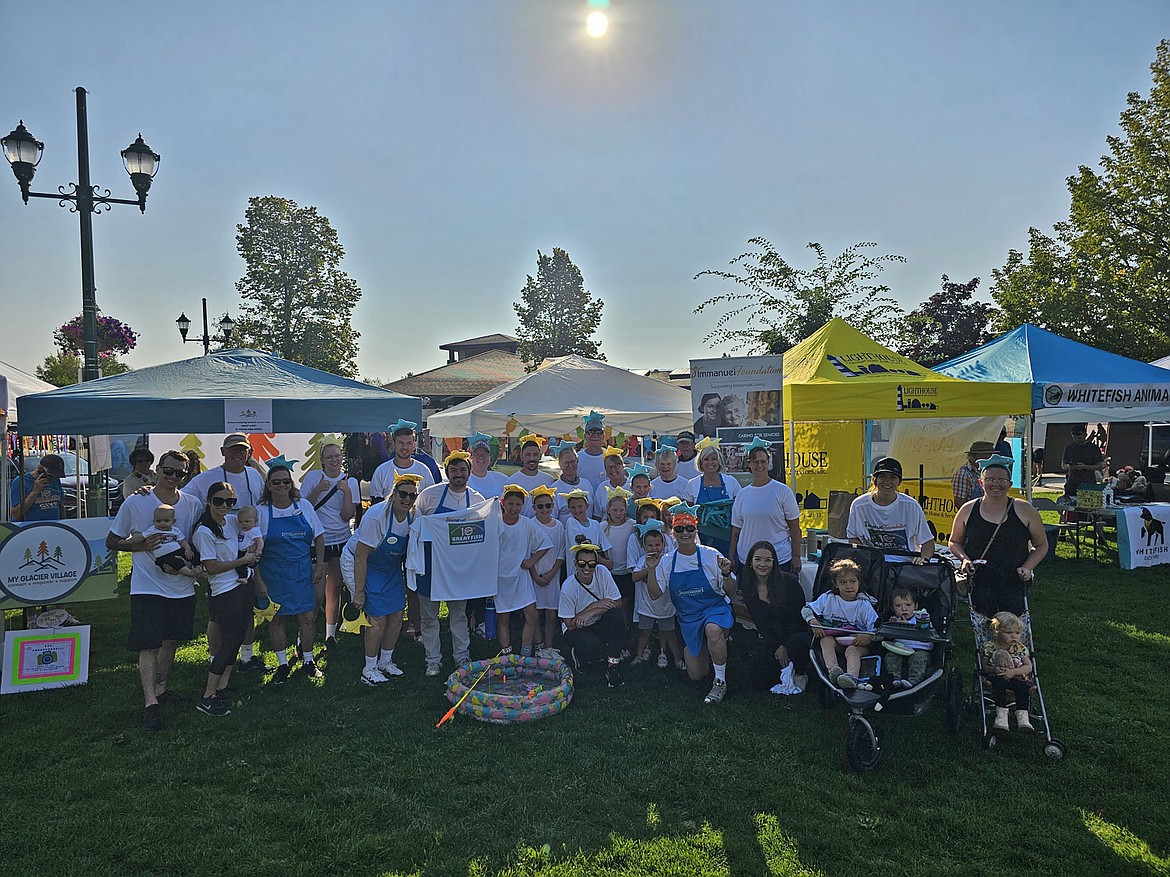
591	613
834	616
699	581
523	545
379	578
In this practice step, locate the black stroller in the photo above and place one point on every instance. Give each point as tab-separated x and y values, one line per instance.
981	698
933	585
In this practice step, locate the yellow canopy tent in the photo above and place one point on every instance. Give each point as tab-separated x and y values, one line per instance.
838	380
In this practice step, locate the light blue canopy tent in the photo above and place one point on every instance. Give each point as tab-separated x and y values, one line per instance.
189	396
1070	380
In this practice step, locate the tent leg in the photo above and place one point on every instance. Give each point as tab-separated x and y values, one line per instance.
1027	461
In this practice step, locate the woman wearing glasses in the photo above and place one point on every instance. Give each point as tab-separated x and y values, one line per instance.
700	583
286	573
379	581
216	538
999	540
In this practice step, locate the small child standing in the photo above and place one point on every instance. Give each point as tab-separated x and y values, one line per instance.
660	612
579	527
251	537
843	620
1008	664
173	554
618	529
909	659
546	575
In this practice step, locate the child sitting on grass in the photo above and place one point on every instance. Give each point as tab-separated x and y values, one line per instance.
843	620
1008	664
908	659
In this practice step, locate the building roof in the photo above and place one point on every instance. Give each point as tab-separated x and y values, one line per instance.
480	341
467	377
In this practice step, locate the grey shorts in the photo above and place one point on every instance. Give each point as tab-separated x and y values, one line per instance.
664	624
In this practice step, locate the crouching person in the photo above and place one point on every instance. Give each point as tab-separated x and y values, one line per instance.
591	613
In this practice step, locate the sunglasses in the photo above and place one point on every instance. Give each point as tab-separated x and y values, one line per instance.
684	529
280	481
406	495
228	501
583	564
542	505
173	473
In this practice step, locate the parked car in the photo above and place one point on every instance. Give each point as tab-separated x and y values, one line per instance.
113	487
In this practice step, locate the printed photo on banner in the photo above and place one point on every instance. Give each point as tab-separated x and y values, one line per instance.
736	398
39	659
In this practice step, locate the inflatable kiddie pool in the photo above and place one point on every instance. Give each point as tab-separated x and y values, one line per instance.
514	689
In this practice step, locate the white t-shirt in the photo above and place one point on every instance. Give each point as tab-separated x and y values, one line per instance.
383	481
644	606
592	532
379	521
575	599
619	540
556	535
687	469
561	509
247	537
680	487
635	553
265	512
225	550
248	485
490	485
601	499
429	499
529	483
337	530
591	468
762	514
730	485
518	542
899	526
465	552
137	516
708	557
836	612
167	547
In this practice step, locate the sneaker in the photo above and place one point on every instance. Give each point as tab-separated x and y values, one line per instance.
846	681
834	674
574	660
228	694
213	706
432	669
680	664
717	693
625	655
799	683
281	675
253	663
1023	721
169	697
152	719
311	670
613	676
548	654
480	630
642	658
663	661
389	668
374	677
1001	719
330	644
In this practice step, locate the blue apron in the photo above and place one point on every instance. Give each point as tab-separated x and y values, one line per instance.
285	563
385	579
718	538
697	603
422	581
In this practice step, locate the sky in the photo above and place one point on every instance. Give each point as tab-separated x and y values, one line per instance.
448	141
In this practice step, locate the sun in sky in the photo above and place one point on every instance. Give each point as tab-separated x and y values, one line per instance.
597	24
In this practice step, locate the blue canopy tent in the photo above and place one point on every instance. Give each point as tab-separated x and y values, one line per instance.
189	396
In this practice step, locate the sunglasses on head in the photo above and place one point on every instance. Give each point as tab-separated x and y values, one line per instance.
407	495
280	481
172	472
228	501
685	528
583	564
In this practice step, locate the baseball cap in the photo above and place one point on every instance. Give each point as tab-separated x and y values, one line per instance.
236	439
887	464
53	464
686	434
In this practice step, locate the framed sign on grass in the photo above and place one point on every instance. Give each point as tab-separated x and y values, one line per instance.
39	659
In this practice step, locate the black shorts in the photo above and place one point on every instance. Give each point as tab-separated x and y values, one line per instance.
332	552
154	619
226	607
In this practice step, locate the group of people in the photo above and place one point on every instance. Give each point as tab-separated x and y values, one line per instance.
596	560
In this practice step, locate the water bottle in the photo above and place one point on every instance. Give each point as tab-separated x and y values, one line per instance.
489	619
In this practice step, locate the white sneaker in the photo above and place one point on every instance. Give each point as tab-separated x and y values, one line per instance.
663	661
625	654
642	658
374	677
680	664
389	668
432	669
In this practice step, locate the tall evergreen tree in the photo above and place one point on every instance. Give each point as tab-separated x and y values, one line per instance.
557	315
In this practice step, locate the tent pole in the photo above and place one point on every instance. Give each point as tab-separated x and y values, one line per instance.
1026	463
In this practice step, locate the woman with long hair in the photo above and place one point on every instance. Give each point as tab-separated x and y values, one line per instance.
774	598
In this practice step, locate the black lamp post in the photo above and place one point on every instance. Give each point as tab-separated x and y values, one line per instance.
23	152
226	324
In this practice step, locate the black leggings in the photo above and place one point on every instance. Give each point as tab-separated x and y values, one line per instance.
765	670
1019	687
232	611
609	631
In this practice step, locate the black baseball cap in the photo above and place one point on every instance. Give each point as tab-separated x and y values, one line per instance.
887	464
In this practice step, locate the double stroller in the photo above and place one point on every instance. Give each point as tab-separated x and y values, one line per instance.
981	696
933	586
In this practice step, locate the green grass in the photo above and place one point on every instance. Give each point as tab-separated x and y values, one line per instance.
338	778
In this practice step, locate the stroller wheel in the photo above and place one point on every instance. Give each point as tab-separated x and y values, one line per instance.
989	741
863	750
1054	749
954	702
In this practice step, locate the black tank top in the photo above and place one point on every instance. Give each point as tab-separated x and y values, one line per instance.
1010	548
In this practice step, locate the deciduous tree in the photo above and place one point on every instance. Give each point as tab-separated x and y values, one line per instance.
947	324
558	316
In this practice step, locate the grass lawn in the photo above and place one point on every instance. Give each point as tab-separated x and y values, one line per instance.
339	778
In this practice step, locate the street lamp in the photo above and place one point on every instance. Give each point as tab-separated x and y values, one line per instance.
226	324
23	152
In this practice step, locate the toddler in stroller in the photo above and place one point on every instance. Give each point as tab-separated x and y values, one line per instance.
1007	662
843	620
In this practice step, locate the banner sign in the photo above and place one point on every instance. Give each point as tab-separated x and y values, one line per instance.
39	659
826	456
736	398
247	415
1106	395
303	447
44	562
1141	535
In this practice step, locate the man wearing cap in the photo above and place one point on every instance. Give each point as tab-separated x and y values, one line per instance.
965	482
1082	461
38	495
591	462
246	481
887	519
688	465
403	462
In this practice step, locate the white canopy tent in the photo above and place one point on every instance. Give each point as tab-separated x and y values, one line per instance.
553	400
